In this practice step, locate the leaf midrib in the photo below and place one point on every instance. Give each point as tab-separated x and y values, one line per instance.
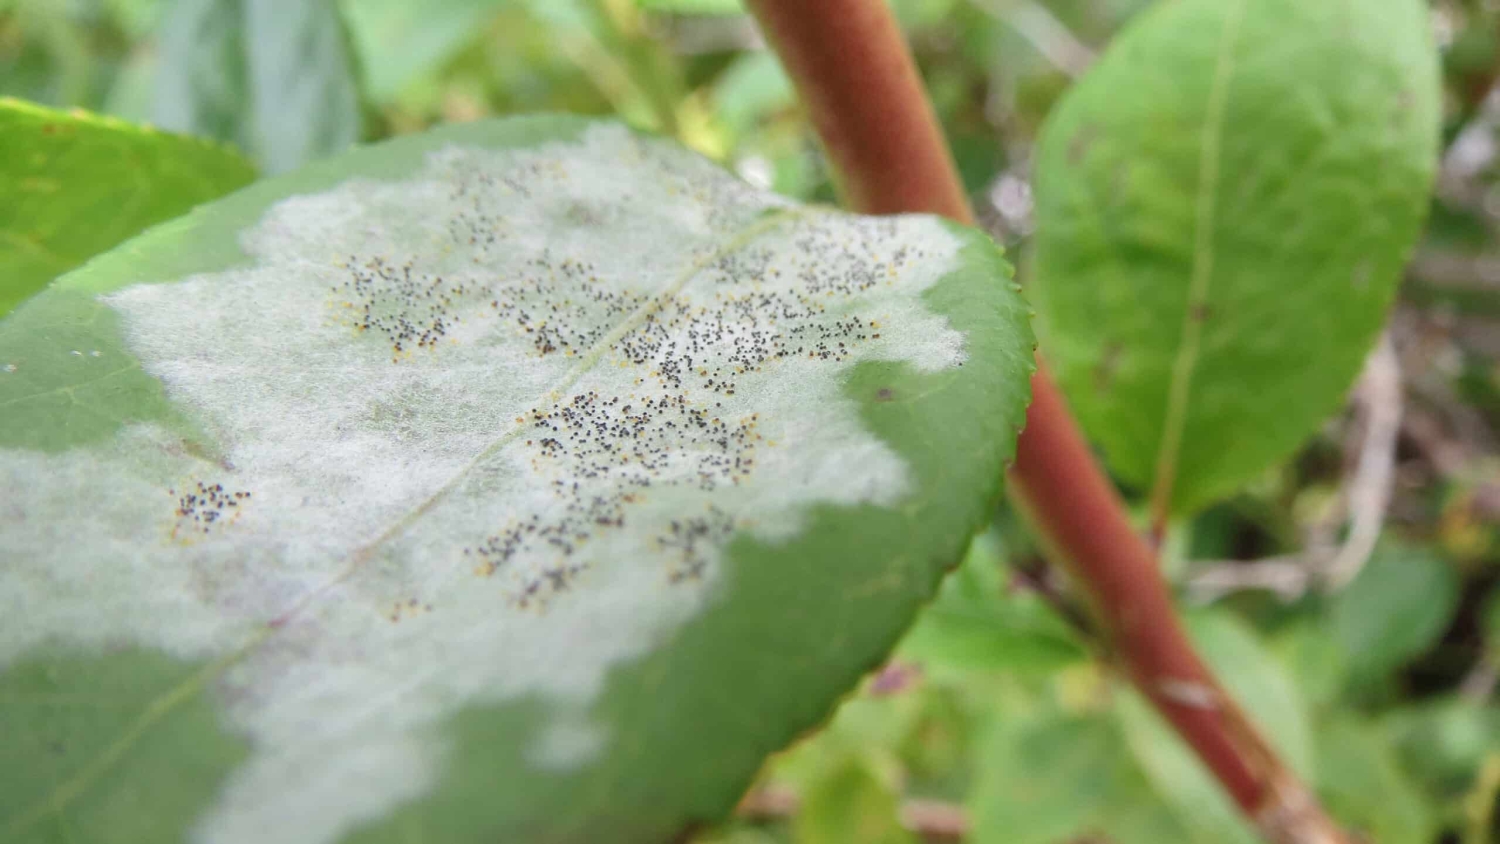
65	792
1204	223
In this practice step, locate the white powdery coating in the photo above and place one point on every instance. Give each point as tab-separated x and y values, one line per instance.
482	433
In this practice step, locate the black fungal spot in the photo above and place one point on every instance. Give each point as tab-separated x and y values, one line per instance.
204	506
602	455
885	394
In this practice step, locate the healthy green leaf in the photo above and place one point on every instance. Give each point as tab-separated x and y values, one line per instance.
275	77
1396	608
1224	205
76	184
526	480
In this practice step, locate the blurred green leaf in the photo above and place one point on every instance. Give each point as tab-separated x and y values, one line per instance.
752	88
399	41
1229	194
1043	777
977	623
1443	741
694	7
851	803
1314	658
76	184
1490	620
1396	608
1362	785
275	77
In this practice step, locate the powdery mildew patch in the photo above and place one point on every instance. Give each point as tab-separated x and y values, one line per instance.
484	432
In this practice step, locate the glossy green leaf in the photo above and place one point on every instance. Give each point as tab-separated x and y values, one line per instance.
1223	205
1396	608
526	480
77	184
275	77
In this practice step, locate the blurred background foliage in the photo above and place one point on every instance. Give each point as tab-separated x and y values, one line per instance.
999	718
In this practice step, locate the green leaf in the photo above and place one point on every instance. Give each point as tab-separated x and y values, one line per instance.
1396	609
1444	741
77	184
525	480
1043	777
694	7
401	41
1046	776
977	622
1365	789
1224	205
850	804
273	76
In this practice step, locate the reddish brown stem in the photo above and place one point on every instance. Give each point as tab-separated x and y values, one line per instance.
861	87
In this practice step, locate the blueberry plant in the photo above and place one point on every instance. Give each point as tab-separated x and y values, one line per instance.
533	479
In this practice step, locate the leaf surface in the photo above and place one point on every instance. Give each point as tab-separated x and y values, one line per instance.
1224	205
527	480
77	184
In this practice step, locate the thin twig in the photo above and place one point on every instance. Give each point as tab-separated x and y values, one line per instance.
1042	30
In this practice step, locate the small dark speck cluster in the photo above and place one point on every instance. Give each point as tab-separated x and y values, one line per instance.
206	505
690	540
670	411
409	608
411	309
679	414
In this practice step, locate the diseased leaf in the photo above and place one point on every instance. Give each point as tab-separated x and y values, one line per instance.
1224	205
526	480
76	184
275	77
